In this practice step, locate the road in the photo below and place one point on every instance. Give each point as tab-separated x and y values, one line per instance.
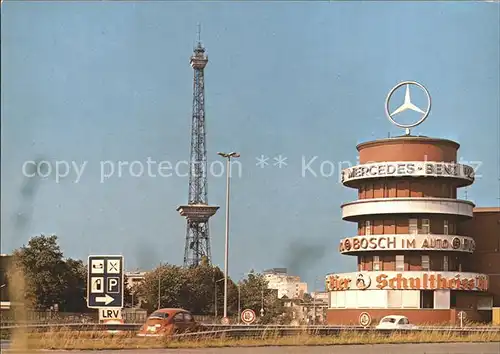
448	348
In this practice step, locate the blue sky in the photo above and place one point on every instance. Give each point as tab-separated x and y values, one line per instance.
111	81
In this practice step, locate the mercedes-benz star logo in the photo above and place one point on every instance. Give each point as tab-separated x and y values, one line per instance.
407	105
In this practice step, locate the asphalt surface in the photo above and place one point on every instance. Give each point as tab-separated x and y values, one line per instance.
448	348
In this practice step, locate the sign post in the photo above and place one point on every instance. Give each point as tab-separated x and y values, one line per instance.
105	282
462	315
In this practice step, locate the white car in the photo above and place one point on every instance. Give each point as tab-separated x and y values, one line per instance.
395	322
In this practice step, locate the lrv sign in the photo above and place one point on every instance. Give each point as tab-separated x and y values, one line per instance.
110	314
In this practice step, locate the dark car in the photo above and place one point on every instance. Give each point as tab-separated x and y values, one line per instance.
169	321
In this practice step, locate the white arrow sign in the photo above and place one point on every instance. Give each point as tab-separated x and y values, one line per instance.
106	299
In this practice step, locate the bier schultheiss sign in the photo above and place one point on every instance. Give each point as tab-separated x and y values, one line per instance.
413	280
408	168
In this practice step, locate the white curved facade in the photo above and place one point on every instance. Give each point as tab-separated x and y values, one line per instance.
407	242
397	169
378	206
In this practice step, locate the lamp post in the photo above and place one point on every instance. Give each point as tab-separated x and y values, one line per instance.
262	304
228	157
215	292
239	302
159	287
314	308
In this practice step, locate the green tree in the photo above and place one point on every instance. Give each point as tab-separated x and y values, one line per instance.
75	283
190	288
255	295
167	281
198	290
50	279
307	297
128	298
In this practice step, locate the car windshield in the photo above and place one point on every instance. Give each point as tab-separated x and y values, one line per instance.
159	314
388	320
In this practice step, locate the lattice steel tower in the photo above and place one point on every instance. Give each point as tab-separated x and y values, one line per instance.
197	211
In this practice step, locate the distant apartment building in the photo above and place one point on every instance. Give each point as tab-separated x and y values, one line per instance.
320	296
134	278
286	285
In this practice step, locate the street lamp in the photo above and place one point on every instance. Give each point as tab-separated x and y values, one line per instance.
227	156
215	291
239	301
262	304
159	286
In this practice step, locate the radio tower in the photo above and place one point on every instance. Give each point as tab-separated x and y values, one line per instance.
197	211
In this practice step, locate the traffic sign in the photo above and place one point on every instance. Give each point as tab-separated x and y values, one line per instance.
365	319
248	316
105	282
225	320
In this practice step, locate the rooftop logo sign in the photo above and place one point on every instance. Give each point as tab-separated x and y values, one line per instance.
407	105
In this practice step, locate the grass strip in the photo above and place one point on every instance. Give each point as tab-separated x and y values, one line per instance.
100	340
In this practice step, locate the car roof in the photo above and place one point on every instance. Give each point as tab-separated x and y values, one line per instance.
171	310
397	317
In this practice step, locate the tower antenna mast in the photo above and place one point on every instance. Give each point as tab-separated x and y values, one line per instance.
197	212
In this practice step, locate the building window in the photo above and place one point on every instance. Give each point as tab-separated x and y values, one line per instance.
362	262
368	227
376	263
425	262
445	227
452	228
413	226
427	299
453	264
426	226
445	263
400	262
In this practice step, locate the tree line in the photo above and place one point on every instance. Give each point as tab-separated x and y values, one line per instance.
55	282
